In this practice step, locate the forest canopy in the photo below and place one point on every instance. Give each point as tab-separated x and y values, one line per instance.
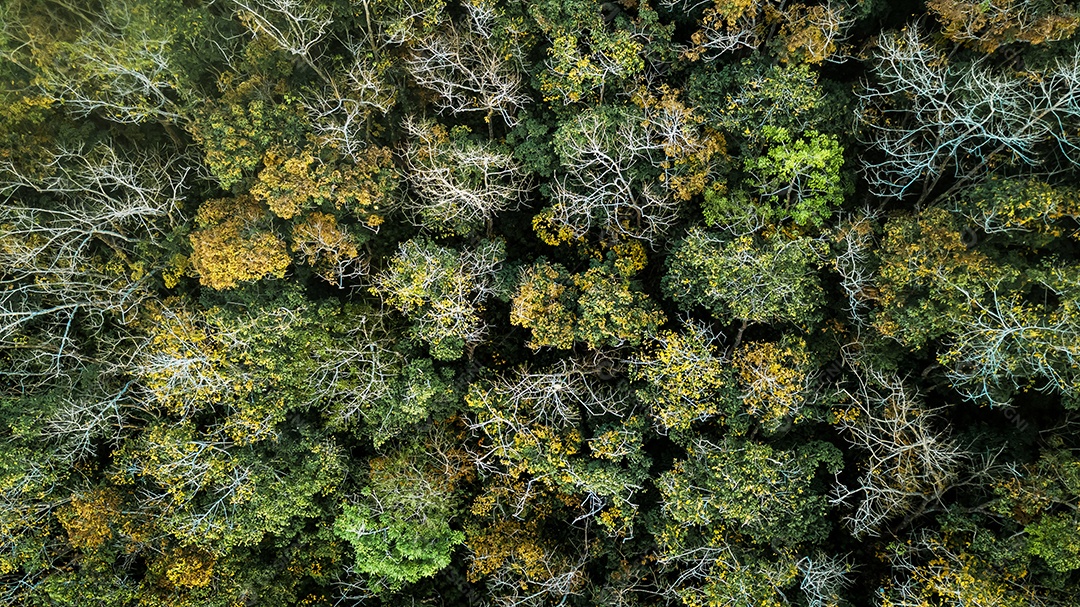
632	303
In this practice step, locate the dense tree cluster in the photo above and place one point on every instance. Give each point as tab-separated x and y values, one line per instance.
702	303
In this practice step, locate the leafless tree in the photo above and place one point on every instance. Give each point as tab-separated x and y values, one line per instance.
928	116
469	75
459	183
909	462
126	80
1006	343
824	578
853	260
512	587
342	114
83	419
91	204
295	26
360	372
598	186
113	66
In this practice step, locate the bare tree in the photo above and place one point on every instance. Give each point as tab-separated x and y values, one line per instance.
342	115
853	259
459	183
360	372
599	185
929	117
83	419
93	204
116	64
1006	343
909	462
295	26
469	75
824	578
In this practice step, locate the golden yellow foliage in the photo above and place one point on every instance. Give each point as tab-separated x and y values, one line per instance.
774	377
543	304
189	568
234	245
86	519
293	181
989	25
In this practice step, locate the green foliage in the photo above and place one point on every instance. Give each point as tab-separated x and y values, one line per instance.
767	494
797	179
803	174
442	291
400	524
747	278
1054	538
743	98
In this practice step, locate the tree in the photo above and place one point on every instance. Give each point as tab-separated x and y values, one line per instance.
748	99
295	26
250	117
533	429
689	147
235	243
853	259
797	179
1034	500
327	247
594	51
544	303
34	486
777	381
200	488
909	463
808	33
365	384
816	34
1018	207
761	492
987	27
460	183
825	578
117	60
931	569
443	291
293	181
925	259
185	367
600	185
469	73
399	526
754	280
929	117
1007	343
80	242
523	566
688	380
603	306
